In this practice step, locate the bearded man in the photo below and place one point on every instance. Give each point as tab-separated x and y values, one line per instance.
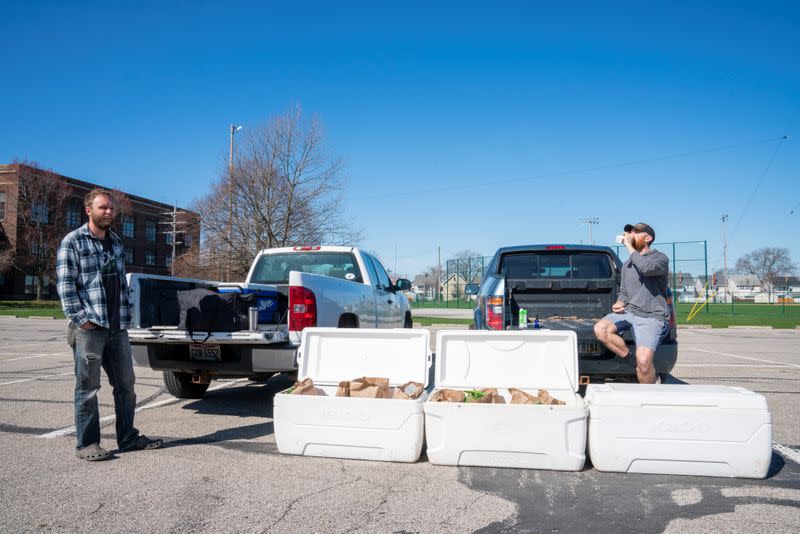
94	295
641	305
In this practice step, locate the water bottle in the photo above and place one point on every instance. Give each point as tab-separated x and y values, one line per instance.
523	318
536	322
252	318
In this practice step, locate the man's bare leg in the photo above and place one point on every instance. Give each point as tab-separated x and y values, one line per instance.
645	370
606	332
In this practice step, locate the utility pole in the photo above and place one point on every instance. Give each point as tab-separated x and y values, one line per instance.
174	226
724	252
589	221
439	274
234	129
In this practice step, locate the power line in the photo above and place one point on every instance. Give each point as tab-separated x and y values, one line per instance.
758	185
596	168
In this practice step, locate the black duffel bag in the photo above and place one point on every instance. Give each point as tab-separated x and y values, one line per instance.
204	310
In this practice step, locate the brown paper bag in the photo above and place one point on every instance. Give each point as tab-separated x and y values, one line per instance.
370	388
447	395
546	398
306	387
344	389
520	397
490	396
409	390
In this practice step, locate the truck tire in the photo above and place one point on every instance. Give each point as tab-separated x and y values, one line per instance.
180	385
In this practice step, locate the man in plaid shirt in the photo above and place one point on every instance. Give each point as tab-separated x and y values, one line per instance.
94	295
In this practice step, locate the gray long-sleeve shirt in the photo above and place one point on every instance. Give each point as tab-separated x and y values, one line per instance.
643	286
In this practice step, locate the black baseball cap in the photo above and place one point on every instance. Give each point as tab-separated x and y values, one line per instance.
641	227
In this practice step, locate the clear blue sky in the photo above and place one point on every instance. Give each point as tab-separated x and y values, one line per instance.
463	125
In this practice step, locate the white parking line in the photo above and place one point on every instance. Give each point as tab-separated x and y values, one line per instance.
736	365
744	357
34	378
34	356
172	400
787	452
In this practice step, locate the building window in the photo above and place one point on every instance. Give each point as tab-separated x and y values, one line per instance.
39	213
168	262
2	205
150	231
30	285
168	238
149	257
37	249
73	216
129	256
187	240
128	227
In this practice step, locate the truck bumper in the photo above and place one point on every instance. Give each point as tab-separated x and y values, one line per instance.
664	360
237	360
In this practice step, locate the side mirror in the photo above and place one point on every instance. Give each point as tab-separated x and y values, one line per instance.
402	284
471	289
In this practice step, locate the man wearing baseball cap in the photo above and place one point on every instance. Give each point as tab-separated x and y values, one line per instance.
641	305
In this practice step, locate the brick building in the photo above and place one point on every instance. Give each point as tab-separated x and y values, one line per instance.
144	229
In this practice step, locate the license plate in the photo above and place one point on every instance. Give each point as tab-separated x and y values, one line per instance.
589	347
210	353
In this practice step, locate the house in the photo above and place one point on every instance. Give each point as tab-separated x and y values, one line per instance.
425	286
685	287
744	287
453	287
143	228
784	288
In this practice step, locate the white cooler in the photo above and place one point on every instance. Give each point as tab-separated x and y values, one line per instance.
359	428
679	429
508	435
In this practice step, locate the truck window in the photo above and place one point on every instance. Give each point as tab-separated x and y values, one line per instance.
550	265
383	278
275	268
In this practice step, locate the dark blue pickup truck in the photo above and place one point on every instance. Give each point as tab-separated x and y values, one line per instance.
565	287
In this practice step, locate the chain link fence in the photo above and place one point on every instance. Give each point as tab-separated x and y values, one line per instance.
696	291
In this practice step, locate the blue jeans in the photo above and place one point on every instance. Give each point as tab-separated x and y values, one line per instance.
110	350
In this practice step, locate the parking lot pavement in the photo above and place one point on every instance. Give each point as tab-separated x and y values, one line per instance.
220	469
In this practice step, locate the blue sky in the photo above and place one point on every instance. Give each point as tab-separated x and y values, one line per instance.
463	125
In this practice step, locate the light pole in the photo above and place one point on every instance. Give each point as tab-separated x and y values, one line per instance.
590	221
724	219
234	128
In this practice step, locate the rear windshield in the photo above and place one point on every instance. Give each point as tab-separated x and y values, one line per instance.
275	268
550	265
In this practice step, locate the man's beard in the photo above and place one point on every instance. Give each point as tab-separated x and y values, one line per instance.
639	244
103	223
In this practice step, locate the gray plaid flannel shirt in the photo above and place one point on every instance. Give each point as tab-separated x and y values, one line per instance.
80	283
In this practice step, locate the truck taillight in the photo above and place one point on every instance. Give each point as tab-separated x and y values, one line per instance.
494	313
305	247
302	308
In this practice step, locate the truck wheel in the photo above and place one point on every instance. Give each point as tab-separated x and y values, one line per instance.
180	385
408	323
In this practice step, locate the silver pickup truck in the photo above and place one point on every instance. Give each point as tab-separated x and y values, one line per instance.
564	287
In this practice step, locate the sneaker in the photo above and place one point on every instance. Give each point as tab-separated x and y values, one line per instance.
143	443
93	453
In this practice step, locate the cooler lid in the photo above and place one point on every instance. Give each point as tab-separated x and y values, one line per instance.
682	395
331	355
509	359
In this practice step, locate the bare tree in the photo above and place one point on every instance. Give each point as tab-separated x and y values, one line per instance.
766	263
285	191
468	264
40	204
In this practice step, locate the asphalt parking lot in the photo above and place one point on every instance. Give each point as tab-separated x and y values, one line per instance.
220	470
